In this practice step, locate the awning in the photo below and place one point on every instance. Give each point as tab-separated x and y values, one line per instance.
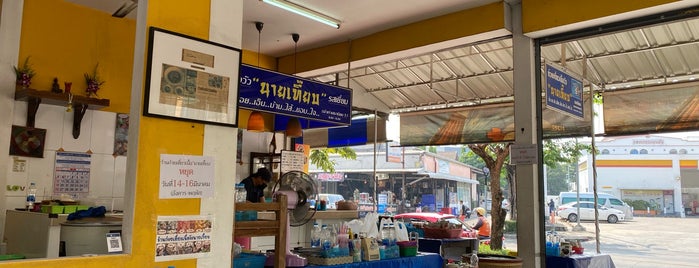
448	177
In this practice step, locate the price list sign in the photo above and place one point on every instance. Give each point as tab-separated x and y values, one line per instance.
72	173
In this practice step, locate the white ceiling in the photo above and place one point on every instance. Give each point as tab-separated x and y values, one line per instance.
359	18
469	73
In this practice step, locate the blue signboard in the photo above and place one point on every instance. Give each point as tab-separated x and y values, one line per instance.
278	93
563	92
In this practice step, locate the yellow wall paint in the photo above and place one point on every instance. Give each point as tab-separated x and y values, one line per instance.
65	41
67	48
544	14
448	27
251	58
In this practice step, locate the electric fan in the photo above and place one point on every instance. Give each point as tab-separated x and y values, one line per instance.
299	188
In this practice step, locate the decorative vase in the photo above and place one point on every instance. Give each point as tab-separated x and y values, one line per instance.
68	85
24	80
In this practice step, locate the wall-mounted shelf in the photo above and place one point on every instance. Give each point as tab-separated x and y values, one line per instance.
35	97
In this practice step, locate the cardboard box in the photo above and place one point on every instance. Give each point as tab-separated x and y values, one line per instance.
370	249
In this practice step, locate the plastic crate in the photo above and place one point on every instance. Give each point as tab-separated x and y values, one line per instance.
408	251
70	209
11	257
249	260
53	209
247	215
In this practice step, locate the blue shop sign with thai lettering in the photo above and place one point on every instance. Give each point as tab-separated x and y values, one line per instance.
278	93
564	92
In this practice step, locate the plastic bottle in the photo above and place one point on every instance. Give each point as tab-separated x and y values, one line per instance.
392	235
474	259
241	195
385	235
357	249
325	242
31	196
333	236
315	236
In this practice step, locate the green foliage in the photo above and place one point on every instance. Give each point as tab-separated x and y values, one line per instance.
94	77
640	204
559	177
321	157
485	249
510	227
26	68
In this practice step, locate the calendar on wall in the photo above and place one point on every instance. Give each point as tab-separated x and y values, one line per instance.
72	173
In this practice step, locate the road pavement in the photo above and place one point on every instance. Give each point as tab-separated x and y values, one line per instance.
645	242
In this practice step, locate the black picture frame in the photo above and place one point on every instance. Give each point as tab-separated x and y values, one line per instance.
191	79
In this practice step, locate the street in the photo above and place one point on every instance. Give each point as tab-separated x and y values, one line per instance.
645	241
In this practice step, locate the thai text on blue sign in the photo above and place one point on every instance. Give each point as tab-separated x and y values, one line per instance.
563	92
273	92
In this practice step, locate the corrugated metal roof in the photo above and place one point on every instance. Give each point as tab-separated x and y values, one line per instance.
476	73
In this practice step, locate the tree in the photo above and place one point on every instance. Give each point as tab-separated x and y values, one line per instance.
321	157
494	155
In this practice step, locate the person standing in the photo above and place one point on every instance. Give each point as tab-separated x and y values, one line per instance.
255	185
552	210
465	211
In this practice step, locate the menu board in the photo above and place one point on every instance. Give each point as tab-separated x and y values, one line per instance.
292	161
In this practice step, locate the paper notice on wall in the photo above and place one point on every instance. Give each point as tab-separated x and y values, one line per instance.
292	161
186	176
182	237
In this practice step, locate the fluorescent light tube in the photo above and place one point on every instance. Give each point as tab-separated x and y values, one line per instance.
303	11
125	9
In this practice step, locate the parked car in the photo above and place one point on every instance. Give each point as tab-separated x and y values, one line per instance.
604	199
331	200
421	218
587	212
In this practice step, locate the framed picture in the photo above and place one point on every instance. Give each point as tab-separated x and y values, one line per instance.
27	141
191	79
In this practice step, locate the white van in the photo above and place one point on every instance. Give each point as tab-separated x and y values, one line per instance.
603	199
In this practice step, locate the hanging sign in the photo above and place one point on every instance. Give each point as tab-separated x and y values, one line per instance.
278	93
564	92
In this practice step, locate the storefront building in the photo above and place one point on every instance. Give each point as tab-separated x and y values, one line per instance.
657	174
439	178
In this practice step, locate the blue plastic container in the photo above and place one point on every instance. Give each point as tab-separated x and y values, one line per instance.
249	260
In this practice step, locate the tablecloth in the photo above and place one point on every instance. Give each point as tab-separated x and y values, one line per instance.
581	261
422	260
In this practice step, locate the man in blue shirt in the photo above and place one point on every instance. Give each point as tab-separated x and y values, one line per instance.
255	185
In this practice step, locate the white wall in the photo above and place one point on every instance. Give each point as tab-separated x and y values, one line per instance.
107	172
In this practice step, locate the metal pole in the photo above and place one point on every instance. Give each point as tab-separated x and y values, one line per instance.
376	181
403	190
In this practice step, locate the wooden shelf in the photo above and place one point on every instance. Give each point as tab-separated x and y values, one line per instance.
60	99
80	104
276	227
